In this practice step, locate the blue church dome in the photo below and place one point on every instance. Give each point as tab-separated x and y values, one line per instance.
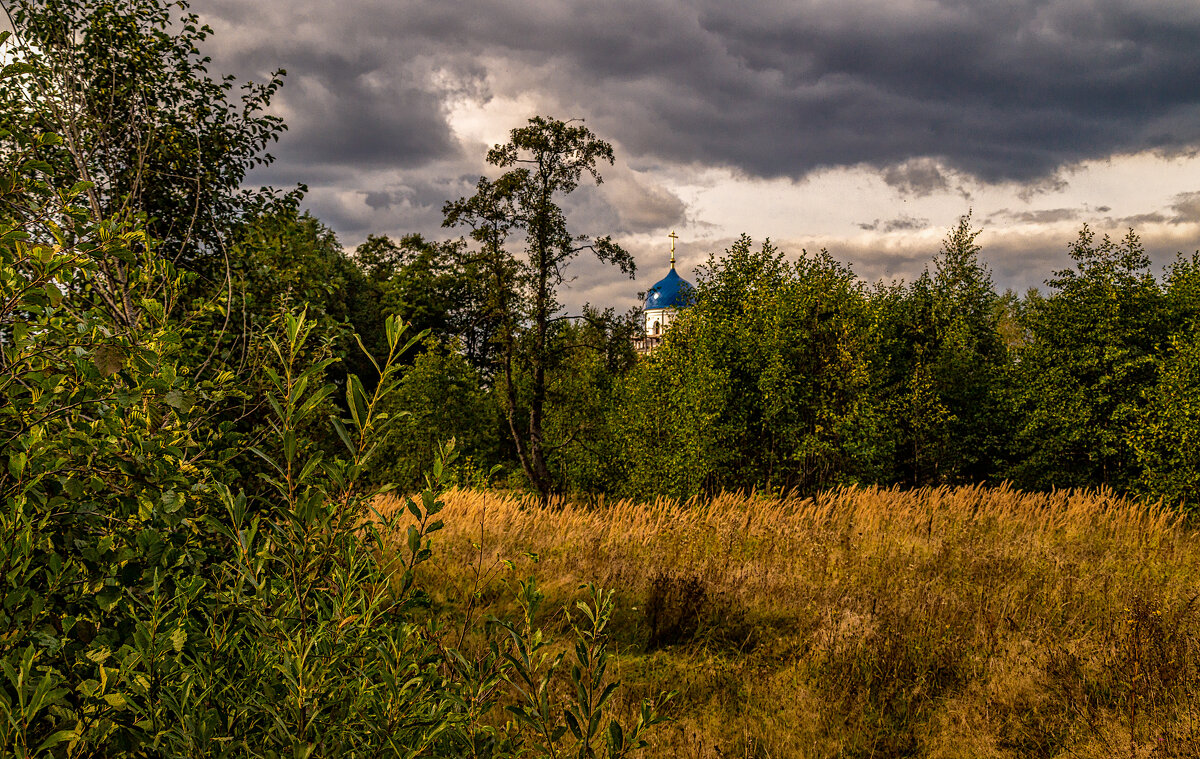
672	291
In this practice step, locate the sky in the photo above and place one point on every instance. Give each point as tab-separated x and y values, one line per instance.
867	127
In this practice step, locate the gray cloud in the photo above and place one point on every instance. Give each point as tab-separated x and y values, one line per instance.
1019	258
918	177
1138	220
1001	91
1186	208
640	207
902	223
1041	216
931	95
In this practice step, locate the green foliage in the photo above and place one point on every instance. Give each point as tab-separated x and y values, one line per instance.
162	593
941	380
435	286
575	728
1166	438
108	447
796	376
284	260
151	609
592	355
441	399
545	160
319	644
141	120
1090	356
760	384
154	600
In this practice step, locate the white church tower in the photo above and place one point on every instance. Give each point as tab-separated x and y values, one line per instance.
664	301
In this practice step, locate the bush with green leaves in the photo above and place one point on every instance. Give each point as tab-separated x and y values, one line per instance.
154	610
441	399
1166	437
574	726
150	603
1093	351
106	444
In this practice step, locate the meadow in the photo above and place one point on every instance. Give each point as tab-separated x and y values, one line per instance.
203	393
938	622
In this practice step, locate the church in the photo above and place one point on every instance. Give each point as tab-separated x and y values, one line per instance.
664	301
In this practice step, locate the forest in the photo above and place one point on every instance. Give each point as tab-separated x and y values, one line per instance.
266	495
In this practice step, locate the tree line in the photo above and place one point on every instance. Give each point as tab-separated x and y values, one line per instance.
789	374
792	374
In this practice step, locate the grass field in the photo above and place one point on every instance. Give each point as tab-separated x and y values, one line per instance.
970	622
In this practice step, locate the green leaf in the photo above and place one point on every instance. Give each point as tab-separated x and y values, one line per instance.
179	400
57	738
16	463
310	465
116	700
107	598
172	501
394	327
606	695
367	353
616	738
356	399
274	464
573	723
15	69
343	434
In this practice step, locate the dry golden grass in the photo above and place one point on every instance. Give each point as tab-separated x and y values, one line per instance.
941	622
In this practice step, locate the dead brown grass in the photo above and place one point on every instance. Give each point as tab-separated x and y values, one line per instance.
976	621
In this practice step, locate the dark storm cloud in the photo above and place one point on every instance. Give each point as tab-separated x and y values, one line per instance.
345	123
623	205
1008	90
930	93
353	99
414	205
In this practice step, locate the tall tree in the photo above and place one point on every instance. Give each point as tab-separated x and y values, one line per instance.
125	87
1166	437
1092	354
544	161
593	355
945	357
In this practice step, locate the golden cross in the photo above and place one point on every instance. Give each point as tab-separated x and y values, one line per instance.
673	237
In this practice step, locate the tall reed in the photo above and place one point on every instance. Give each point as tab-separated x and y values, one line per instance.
972	621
